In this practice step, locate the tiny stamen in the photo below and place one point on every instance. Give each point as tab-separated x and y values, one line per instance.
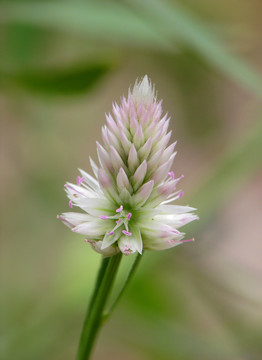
188	240
80	179
129	216
70	204
119	209
171	174
118	221
180	194
103	217
127	233
110	233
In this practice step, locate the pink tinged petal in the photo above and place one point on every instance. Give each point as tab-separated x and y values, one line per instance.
144	151
165	127
127	233
133	119
119	209
167	188
176	220
125	142
70	204
158	109
120	115
132	160
162	143
139	175
124	117
139	137
143	193
90	181
129	215
157	243
110	233
94	166
104	157
122	180
103	179
112	125
140	109
154	160
119	221
114	141
173	210
116	159
168	152
124	104
105	137
103	217
162	171
158	125
145	118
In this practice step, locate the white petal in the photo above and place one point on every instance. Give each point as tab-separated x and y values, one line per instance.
110	239
128	244
176	220
90	180
157	244
93	166
75	192
94	229
109	251
174	209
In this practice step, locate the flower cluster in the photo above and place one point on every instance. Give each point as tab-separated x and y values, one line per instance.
127	203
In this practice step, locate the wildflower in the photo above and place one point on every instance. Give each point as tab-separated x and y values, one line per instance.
127	203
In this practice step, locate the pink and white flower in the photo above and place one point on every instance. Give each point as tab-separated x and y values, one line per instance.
126	204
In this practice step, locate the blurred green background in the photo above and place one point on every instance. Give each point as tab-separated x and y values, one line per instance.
62	64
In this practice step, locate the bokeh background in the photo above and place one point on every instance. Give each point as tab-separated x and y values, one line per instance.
62	64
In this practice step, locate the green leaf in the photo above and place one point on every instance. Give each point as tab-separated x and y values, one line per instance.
68	81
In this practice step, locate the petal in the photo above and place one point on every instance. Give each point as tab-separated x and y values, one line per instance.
90	180
94	166
144	151
138	177
72	219
109	251
94	229
143	194
122	180
174	209
128	245
103	157
116	159
132	160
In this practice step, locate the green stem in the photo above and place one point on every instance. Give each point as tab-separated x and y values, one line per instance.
104	284
127	281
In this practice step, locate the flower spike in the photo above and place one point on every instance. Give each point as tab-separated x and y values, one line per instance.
127	203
